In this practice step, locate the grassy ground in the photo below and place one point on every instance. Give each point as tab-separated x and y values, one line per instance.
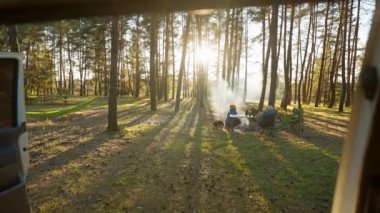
166	162
54	112
55	103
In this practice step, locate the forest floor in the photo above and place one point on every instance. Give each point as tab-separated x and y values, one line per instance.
166	162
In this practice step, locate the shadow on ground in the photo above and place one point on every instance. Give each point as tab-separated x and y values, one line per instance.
166	162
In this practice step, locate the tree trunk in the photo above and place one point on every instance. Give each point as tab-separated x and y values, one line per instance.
153	48
304	58
166	64
336	57
226	45
201	66
26	77
349	54
12	35
298	57
236	51
138	74
355	51
327	86
218	59
265	64
309	68
230	48
182	66
85	75
159	68
343	90
274	61
322	70
313	59
112	99
239	52
106	82
173	56
71	74
288	65
246	57
279	40
61	76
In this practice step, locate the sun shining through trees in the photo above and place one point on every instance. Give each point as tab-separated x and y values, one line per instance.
174	74
206	55
234	44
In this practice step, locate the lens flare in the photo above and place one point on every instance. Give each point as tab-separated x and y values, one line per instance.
205	55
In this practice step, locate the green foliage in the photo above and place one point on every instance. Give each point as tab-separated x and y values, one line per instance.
60	112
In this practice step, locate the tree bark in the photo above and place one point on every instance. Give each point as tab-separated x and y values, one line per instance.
265	65
349	54
336	57
153	48
105	80
137	74
166	64
288	65
355	51
61	76
71	74
201	65
304	58
343	90
230	48
182	66
173	56
12	35
274	61
226	45
112	99
218	59
313	57
298	57
246	57
321	71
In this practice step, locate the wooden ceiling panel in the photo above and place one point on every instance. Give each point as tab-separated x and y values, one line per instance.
21	11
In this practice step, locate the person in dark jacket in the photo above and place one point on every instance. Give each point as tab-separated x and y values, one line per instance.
230	122
267	118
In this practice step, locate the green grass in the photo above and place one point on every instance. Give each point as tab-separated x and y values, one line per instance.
60	111
173	162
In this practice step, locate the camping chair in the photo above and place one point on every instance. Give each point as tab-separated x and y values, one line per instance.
296	122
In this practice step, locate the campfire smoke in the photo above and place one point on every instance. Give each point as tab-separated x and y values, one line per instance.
222	96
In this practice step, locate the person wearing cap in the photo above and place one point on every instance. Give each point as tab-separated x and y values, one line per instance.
230	122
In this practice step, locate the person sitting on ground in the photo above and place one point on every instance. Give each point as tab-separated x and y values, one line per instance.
267	118
230	122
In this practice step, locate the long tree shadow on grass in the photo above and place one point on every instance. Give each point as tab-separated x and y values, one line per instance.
331	122
292	175
44	132
91	159
171	164
95	138
71	136
321	137
141	176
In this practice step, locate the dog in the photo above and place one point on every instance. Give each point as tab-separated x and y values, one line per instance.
218	124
